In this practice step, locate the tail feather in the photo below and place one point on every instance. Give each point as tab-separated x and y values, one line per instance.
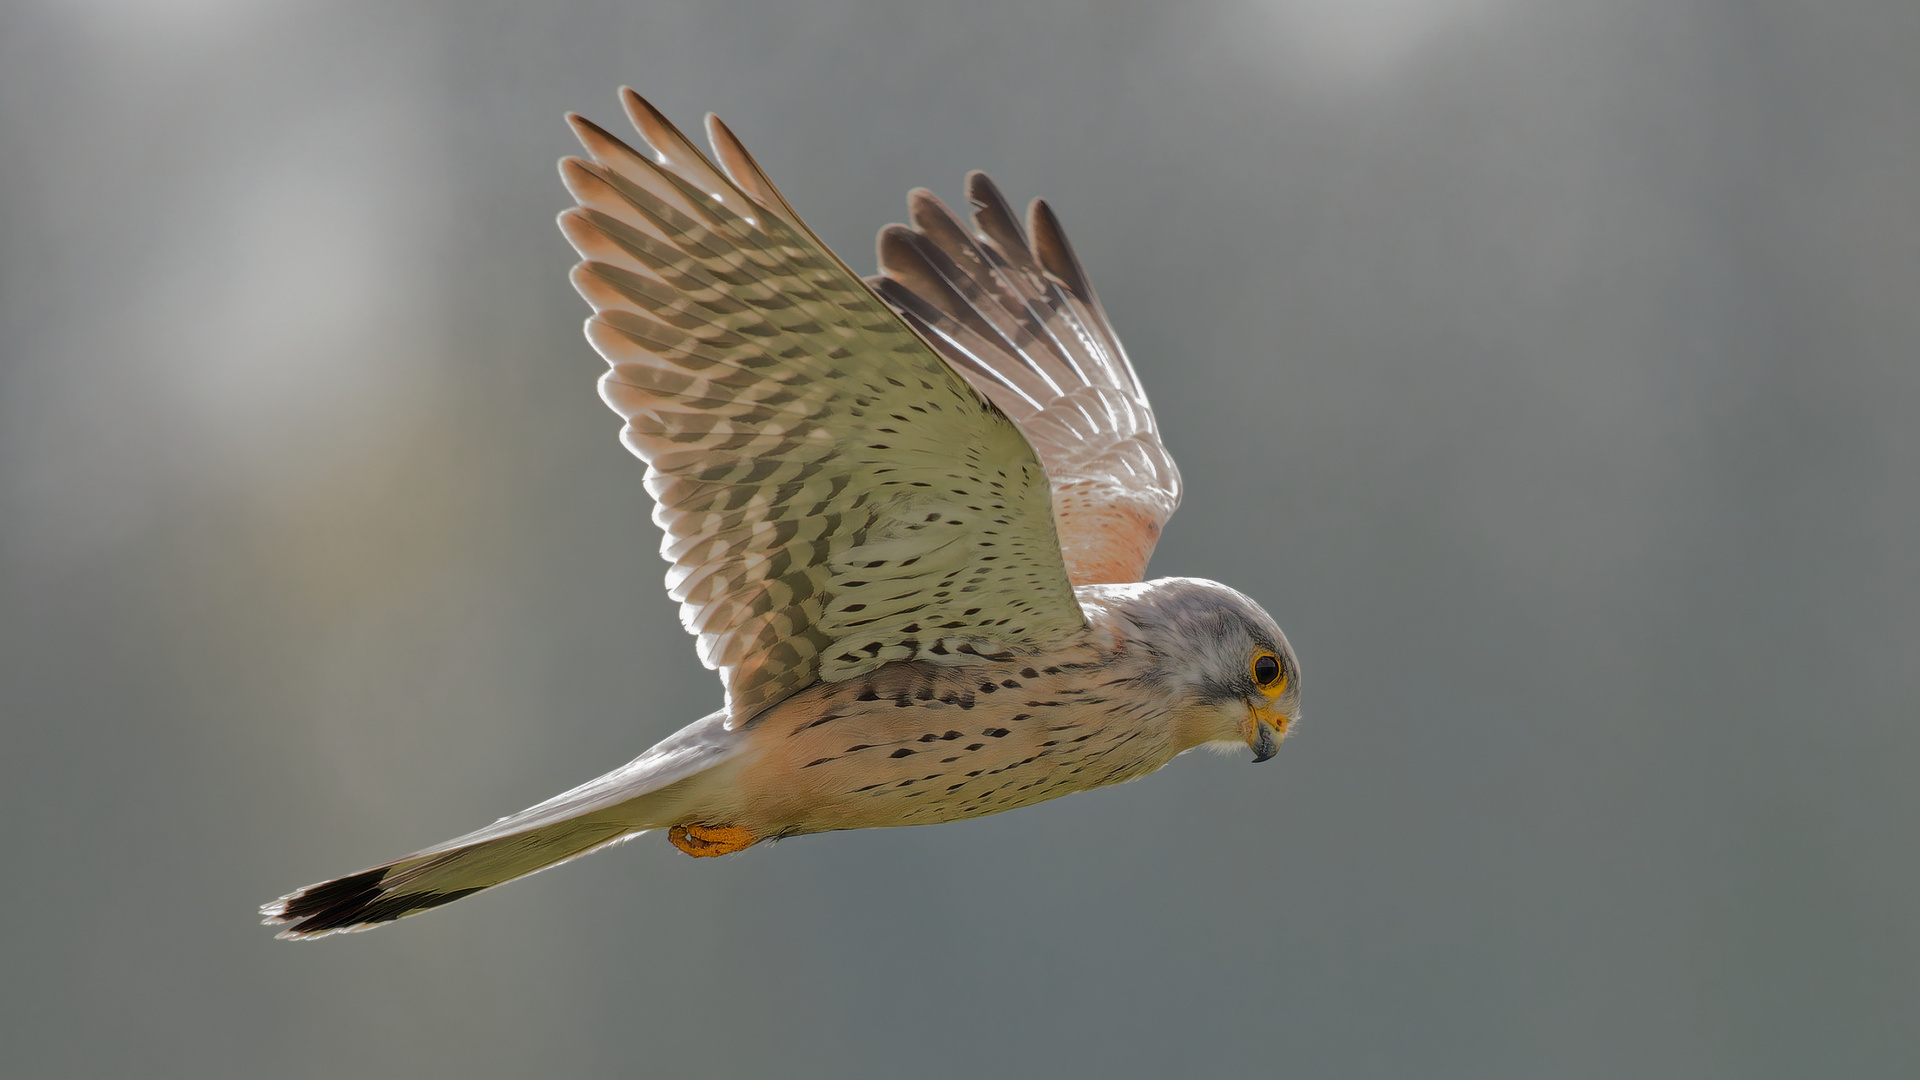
618	806
409	886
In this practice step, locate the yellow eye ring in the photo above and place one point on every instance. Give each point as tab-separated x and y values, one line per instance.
1268	673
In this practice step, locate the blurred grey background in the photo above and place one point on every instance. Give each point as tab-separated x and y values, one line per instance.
1551	370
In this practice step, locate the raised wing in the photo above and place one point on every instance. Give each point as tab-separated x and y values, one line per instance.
1023	325
834	496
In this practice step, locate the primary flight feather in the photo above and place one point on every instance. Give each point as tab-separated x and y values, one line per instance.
907	519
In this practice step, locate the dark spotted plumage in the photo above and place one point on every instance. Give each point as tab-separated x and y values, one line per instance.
906	518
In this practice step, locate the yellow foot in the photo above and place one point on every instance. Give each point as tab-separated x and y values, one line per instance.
702	841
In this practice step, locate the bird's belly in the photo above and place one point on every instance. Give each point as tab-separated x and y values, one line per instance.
856	760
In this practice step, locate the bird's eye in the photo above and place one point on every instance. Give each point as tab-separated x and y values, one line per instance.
1266	671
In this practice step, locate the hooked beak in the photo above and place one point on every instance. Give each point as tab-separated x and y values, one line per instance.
1266	727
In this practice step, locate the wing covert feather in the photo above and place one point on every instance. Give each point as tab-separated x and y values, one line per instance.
1018	318
834	496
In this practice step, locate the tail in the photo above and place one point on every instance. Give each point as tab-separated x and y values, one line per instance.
618	806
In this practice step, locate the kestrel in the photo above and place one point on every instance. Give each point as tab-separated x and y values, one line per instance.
908	518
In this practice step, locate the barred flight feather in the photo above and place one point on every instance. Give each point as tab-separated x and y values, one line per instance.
1021	322
834	495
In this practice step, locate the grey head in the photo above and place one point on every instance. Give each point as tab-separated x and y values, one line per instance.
1219	656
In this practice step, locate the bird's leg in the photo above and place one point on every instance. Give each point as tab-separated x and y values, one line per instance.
702	841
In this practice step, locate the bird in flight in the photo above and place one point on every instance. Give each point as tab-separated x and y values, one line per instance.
908	519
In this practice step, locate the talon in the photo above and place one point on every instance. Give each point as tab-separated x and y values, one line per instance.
705	841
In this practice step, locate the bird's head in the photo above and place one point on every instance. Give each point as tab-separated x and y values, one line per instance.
1221	658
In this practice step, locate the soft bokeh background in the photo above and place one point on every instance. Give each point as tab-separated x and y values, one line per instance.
1550	369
